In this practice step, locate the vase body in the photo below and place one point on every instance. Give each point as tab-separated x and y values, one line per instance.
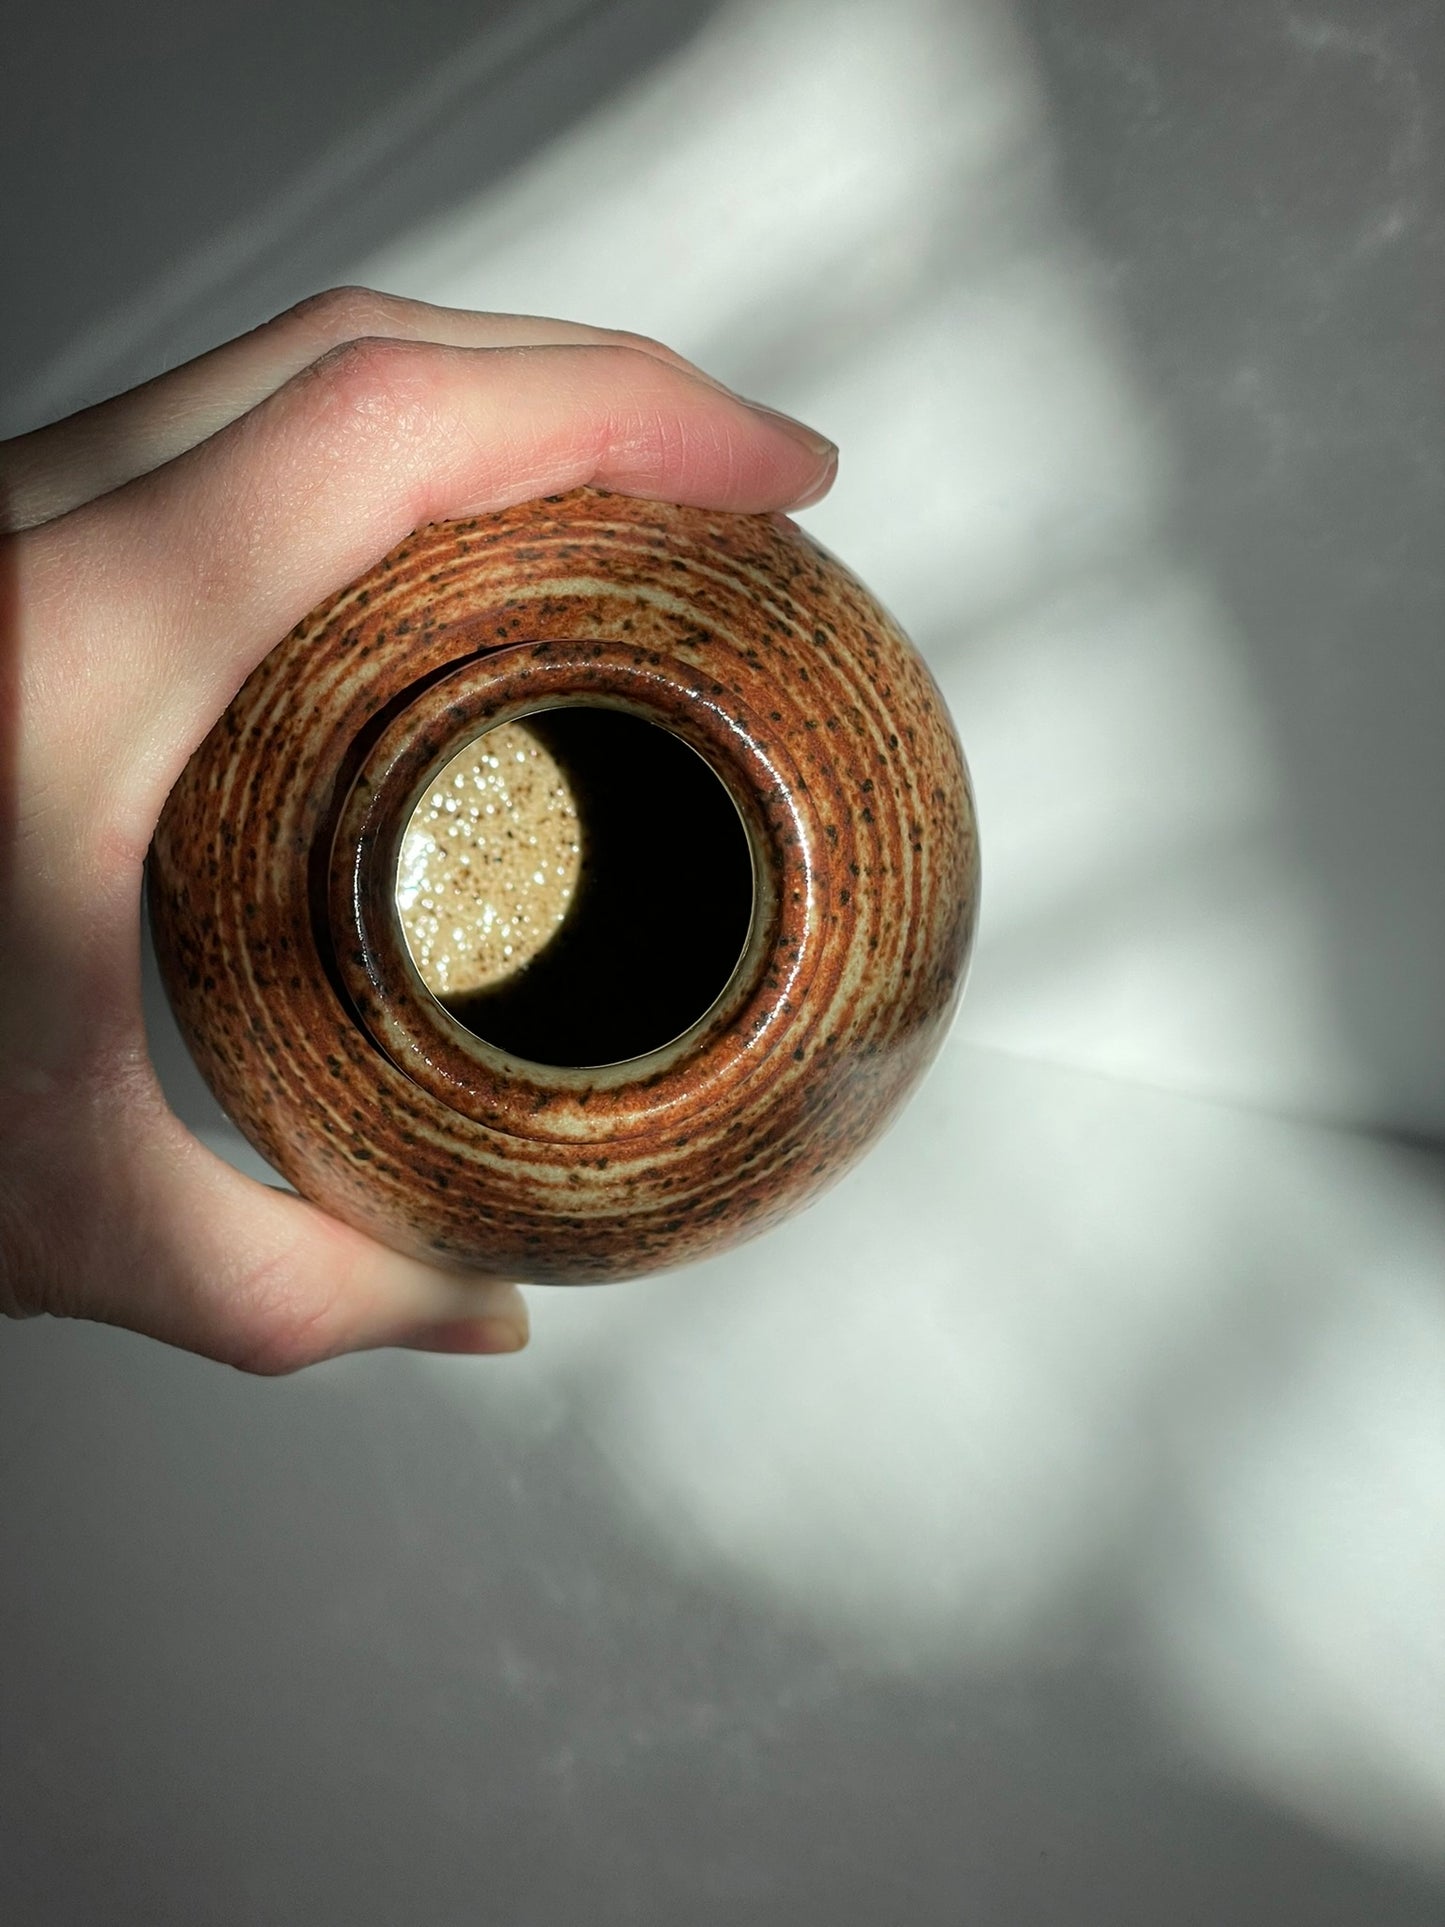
273	875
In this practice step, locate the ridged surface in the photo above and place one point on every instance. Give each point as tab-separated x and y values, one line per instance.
271	872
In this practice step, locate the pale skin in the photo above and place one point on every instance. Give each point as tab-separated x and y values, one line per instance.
155	548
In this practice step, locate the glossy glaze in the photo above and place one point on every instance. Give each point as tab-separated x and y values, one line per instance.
272	887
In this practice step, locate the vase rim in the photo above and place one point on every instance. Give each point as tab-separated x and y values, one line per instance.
409	1024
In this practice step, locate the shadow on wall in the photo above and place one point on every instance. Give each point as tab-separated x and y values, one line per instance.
855	213
1042	1530
191	169
1262	186
319	1669
1035	1355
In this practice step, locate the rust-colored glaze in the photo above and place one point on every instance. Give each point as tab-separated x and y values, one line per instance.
272	888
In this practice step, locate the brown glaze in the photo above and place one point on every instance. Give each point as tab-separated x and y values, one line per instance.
273	870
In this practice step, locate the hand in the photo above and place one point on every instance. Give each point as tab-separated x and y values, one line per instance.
156	546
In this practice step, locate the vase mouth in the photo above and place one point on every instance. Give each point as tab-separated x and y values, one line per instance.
509	1089
589	910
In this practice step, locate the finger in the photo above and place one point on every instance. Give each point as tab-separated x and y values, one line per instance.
214	1263
55	469
222	551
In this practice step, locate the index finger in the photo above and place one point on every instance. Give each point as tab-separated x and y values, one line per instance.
55	469
191	574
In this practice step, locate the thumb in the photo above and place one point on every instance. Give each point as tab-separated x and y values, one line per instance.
216	1263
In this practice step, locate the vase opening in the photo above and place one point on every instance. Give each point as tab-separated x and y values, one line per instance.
576	886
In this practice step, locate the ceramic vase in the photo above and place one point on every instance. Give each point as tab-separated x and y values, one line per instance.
272	887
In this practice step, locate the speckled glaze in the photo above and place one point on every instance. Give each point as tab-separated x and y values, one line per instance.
272	877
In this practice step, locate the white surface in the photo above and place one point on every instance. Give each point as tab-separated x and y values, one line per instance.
1045	1528
858	212
1048	1527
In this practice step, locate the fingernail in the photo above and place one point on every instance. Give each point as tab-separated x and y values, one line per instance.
478	1337
820	488
815	443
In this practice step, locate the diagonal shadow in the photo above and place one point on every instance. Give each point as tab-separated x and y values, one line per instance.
360	1695
1257	182
318	133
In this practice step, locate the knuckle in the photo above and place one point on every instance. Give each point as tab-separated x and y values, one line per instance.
337	315
632	359
272	1355
644	345
289	1308
277	1339
376	385
629	381
364	361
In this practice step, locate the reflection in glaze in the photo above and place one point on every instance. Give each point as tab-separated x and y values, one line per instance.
489	863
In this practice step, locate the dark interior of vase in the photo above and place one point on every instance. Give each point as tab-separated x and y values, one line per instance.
658	899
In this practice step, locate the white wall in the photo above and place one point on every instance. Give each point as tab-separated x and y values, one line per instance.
1047	1527
1124	318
